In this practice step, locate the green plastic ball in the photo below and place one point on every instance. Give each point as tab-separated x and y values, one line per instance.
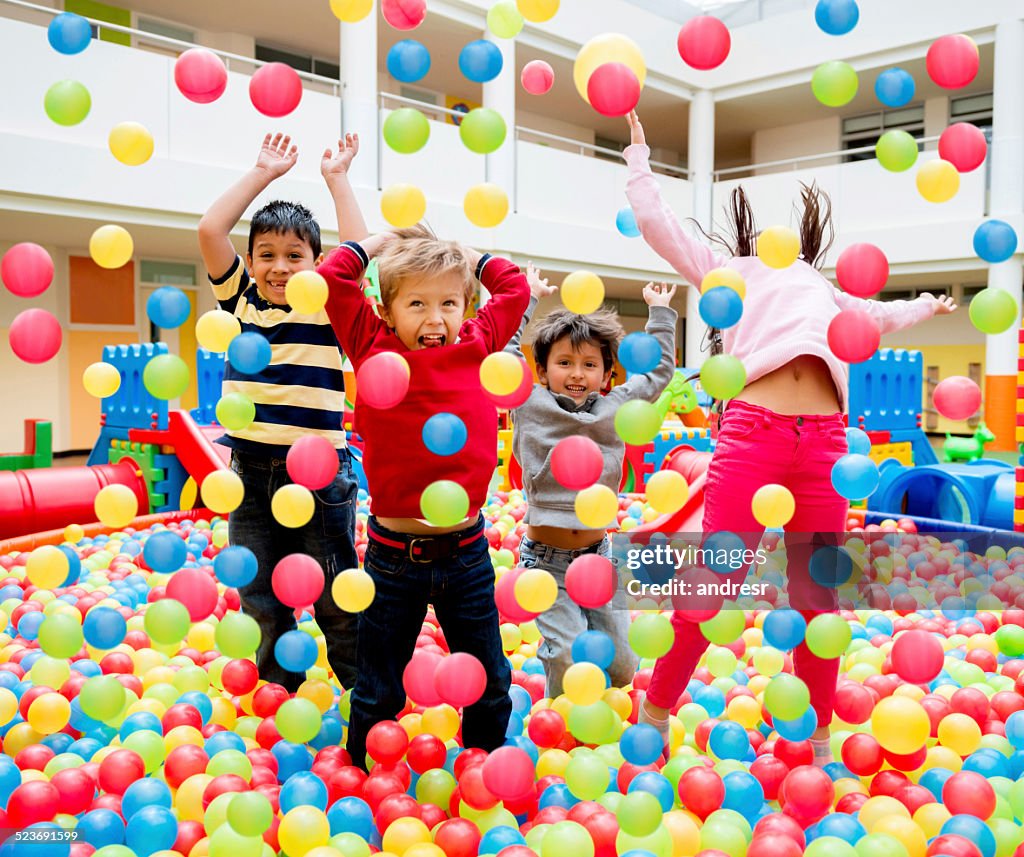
250	813
235	411
639	813
60	636
298	720
786	697
167	621
724	627
594	724
482	130
587	776
567	837
637	422
896	151
723	376
67	102
406	130
237	635
166	376
834	83
993	310
651	635
101	697
828	635
444	503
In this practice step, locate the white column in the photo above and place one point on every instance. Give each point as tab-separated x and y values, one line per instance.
500	96
701	165
1006	202
359	111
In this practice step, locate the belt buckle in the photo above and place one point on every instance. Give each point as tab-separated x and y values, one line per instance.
412	548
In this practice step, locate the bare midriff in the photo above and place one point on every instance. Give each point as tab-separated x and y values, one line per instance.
422	528
562	538
802	386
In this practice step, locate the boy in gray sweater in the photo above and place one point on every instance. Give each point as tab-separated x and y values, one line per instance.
574	356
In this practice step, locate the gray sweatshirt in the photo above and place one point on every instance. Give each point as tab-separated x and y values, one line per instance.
545	418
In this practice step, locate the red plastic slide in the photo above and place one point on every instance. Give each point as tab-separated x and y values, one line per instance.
192	444
693	466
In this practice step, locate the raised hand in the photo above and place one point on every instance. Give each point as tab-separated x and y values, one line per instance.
539	287
337	163
373	244
636	130
659	294
277	155
943	305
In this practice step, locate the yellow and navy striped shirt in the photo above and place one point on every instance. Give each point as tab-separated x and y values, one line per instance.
302	390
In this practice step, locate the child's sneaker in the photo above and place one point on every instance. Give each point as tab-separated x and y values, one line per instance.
822	751
643	716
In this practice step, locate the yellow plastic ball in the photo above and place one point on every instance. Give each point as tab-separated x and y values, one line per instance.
49	713
306	292
930	817
584	683
597	507
403	833
292	506
441	721
351	11
900	725
353	590
101	380
960	733
724	277
302	829
485	205
606	48
667	491
773	505
906	832
938	181
74	533
223	491
131	143
778	246
47	567
879	807
8	706
215	330
501	373
403	205
111	246
538	11
188	800
116	505
582	292
536	590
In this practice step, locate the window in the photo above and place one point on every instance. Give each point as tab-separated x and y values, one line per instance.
860	131
415	94
170	31
299	62
975	109
969	292
910	294
608	143
167	273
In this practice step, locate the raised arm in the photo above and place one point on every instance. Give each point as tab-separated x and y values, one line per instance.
658	224
661	324
539	288
897	315
352	317
334	168
277	156
498	319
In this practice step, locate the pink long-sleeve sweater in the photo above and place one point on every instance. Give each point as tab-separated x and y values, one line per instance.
786	312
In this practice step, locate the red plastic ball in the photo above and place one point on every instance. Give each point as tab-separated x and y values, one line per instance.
854	702
239	676
297	580
794	753
964	146
181	714
702	791
969	793
546	728
119	770
779	824
862	270
418	678
537	77
426	751
200	76
346	782
613	89
952	845
769	771
505	598
952	61
386	742
32	802
917	656
853	336
189	833
576	462
458	837
382	381
27	270
379	786
807	792
590	581
395	806
194	588
862	754
460	679
76	789
704	42
35	335
957	397
223	784
508	773
275	89
474	791
404	14
312	461
773	845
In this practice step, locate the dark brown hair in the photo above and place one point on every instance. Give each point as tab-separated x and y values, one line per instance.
602	328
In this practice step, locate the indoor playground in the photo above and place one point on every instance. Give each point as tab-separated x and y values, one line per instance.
134	721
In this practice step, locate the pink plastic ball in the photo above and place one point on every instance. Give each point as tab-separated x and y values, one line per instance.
613	89
957	397
952	61
404	14
196	590
418	679
917	656
312	461
576	462
275	89
460	679
537	77
704	42
297	580
382	381
964	146
509	773
853	336
505	598
35	335
27	270
200	75
862	270
590	580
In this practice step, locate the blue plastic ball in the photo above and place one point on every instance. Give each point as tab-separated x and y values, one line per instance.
857	441
594	647
500	837
74	565
721	307
800	729
165	552
69	33
784	629
641	744
894	87
249	353
152	828
408	60
995	241
100	827
855	477
141	721
639	353
743	793
291	758
836	17
723	545
522	702
295	651
831	566
1015	729
625	222
843	826
235	565
223	741
168	307
480	61
200	702
444	434
729	740
974	830
143	793
351	815
303	789
656	784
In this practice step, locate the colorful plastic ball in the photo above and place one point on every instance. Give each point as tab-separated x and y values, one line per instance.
894	87
250	813
166	376
828	635
131	143
576	462
444	503
836	17
724	277
703	42
104	627
402	205
47	567
773	505
200	75
667	491
404	14
994	241
723	376
952	61
964	146
196	590
957	397
168	307
312	462
297	719
625	222
855	477
237	635
853	336
482	130
607	48
535	590
786	697
480	61
235	411
297	580
111	246
537	77
353	590
215	330
35	335
504	19
720	307
167	621
650	635
485	205
613	89
834	83
60	636
67	102
590	580
862	270
508	772
69	33
639	353
116	505
249	353
275	89
538	11
306	292
519	395
900	724
406	130
993	310
896	151
26	269
917	656
637	422
235	566
460	679
351	11
582	292
382	381
501	373
778	246
408	60
222	491
165	551
937	181
302	829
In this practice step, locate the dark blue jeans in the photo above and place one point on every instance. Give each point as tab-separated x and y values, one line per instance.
329	538
461	588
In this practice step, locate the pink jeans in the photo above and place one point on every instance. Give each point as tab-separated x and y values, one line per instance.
759	447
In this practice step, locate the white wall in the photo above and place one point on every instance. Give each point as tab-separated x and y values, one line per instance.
795	141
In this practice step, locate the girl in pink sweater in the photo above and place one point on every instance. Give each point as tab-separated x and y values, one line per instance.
786	427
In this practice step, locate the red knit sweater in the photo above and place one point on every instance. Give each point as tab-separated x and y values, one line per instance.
398	464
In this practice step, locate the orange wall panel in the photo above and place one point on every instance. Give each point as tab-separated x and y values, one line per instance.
100	295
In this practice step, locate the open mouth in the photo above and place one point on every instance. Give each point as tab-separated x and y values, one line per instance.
432	340
575	389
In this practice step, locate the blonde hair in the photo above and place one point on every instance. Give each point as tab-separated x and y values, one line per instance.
418	253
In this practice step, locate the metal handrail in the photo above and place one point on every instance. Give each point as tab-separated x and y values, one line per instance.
590	147
419	105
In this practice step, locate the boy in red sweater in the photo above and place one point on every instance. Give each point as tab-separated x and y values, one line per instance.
426	285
